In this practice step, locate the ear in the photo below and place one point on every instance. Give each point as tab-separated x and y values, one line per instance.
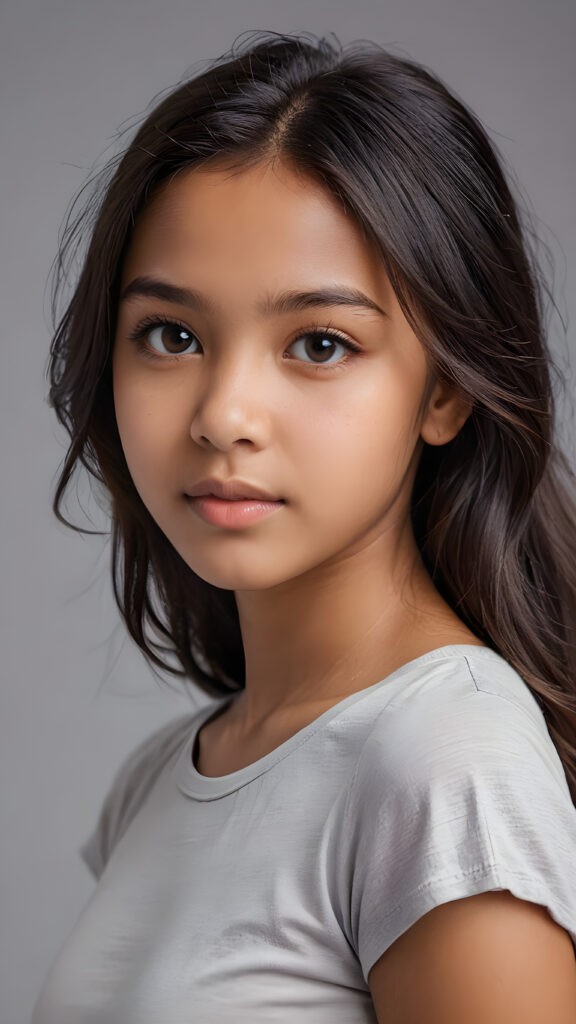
445	414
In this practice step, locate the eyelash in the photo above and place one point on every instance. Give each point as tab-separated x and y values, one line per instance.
143	328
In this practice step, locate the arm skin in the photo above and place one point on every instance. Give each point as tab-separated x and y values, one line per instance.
486	959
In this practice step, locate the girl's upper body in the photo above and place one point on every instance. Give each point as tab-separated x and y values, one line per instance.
267	894
305	359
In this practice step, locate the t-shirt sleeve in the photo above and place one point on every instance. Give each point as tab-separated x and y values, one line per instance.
470	797
129	788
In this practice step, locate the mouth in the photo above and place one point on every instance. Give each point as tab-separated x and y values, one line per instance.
231	490
243	497
232	513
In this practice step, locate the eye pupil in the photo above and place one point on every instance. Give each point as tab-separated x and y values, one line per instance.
183	335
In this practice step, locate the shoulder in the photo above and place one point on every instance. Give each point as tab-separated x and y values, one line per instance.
140	769
130	786
465	755
458	790
462	716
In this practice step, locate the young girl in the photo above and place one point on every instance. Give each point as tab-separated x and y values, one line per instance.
305	358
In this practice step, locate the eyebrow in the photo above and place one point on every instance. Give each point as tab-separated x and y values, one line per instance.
284	302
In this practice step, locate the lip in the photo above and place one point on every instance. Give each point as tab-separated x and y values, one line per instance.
230	490
232	514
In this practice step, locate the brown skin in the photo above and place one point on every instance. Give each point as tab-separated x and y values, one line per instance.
331	590
486	959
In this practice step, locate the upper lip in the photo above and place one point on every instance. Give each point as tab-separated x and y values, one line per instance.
230	490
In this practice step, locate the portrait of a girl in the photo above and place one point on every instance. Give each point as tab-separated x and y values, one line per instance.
306	359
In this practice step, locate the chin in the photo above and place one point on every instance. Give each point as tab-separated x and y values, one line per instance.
228	577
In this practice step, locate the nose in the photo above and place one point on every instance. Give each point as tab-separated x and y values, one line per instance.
231	405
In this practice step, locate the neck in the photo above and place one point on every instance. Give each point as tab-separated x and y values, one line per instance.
322	636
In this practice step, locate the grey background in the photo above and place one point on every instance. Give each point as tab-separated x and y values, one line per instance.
76	694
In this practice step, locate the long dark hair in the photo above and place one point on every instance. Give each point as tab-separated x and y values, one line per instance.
494	510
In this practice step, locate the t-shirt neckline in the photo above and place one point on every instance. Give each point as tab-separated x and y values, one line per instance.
205	787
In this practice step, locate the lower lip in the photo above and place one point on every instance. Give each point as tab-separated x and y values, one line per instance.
234	515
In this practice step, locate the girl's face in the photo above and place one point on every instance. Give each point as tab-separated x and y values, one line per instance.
230	363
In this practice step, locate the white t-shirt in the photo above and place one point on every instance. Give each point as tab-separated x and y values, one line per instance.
268	894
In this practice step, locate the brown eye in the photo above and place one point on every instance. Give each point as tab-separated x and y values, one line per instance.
171	338
318	346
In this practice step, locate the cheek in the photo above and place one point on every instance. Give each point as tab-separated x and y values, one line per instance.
356	435
146	431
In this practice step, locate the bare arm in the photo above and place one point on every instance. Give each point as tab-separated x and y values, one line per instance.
486	959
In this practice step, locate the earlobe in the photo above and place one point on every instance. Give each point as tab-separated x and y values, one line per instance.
446	414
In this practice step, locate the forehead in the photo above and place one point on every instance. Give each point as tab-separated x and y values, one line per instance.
268	218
